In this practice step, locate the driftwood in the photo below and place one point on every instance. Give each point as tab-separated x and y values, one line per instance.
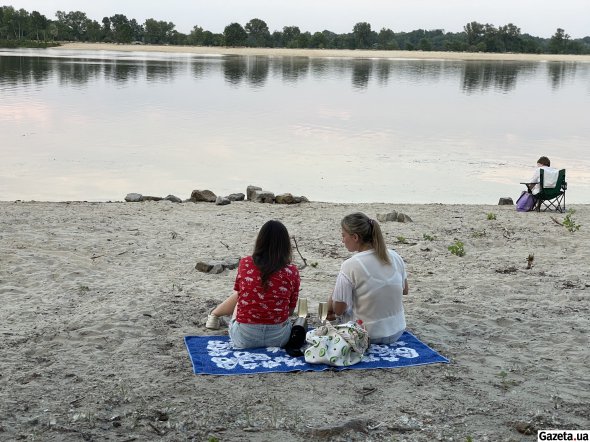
297	248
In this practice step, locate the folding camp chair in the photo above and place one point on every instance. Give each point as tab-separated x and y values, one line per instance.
552	198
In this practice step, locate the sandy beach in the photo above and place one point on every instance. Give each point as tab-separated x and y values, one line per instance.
282	52
97	297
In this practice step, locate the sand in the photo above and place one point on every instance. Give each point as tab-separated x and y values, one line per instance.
278	52
97	297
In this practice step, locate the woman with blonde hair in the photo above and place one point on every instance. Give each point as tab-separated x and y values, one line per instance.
371	283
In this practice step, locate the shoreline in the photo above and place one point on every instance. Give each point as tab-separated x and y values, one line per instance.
323	53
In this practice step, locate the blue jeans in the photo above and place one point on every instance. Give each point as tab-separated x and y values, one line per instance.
259	335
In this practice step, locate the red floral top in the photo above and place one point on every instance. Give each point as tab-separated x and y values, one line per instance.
271	306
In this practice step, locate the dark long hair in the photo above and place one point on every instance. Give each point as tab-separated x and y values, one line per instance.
272	250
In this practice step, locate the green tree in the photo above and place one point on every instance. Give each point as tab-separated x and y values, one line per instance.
258	33
39	24
318	40
235	35
121	29
558	42
386	39
474	32
72	25
158	32
291	36
362	35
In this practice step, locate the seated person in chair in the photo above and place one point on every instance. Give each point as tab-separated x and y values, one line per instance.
550	175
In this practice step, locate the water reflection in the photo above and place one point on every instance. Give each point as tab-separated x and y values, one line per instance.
499	76
476	76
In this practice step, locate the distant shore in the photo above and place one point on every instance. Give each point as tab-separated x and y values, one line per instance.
343	53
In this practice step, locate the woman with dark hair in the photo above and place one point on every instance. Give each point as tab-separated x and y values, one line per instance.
371	283
550	175
266	292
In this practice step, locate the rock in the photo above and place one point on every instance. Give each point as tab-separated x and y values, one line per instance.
203	195
236	197
173	198
250	191
285	198
222	201
217	268
134	197
231	263
300	199
392	216
203	266
262	196
403	218
151	198
506	201
381	217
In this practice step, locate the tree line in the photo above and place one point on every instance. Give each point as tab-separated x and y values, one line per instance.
21	28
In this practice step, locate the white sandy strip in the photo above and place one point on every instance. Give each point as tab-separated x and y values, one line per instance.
325	52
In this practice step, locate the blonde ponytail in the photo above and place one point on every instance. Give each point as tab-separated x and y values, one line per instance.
368	231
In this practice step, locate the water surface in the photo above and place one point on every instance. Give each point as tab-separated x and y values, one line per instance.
96	125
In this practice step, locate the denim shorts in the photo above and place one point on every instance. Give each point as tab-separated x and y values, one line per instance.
259	335
387	339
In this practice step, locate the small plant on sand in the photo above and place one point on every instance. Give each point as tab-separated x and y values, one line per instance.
491	216
83	289
505	384
428	237
479	233
569	223
529	261
401	239
313	264
457	248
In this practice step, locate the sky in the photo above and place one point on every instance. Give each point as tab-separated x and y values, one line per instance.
540	18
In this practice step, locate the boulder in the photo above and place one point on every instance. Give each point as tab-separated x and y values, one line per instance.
134	197
250	191
151	198
203	266
506	201
300	199
222	201
403	218
203	195
236	197
173	198
285	198
392	216
262	196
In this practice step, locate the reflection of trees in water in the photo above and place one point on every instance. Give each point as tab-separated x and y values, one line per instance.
77	72
560	72
24	70
361	72
502	76
294	68
234	68
122	72
257	70
161	71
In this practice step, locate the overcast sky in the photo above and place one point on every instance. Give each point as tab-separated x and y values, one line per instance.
536	17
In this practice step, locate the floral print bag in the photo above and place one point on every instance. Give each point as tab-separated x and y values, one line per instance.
338	345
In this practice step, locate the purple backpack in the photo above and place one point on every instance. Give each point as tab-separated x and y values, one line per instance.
525	202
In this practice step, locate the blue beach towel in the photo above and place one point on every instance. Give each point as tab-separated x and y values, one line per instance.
215	355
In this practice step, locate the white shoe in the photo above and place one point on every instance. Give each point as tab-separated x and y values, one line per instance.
213	322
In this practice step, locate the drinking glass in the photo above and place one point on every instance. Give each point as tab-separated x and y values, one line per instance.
323	311
302	308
